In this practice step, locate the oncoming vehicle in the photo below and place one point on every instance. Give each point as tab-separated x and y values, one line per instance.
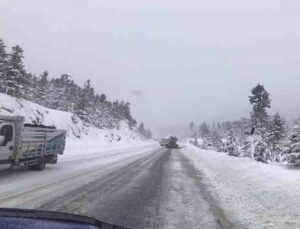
164	141
28	144
170	143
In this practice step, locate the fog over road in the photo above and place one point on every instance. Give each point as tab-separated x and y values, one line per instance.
141	187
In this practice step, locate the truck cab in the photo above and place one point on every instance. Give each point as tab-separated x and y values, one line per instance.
7	141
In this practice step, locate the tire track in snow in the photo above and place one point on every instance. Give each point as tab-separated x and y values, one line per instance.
196	175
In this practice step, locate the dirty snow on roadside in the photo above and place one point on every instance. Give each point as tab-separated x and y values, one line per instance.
252	194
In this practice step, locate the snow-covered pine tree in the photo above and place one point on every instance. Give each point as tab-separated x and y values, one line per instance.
262	152
293	146
31	87
3	66
15	80
192	133
59	94
56	94
275	135
102	98
260	102
42	89
126	115
216	141
101	115
240	127
116	113
142	130
192	129
83	107
245	150
230	145
204	130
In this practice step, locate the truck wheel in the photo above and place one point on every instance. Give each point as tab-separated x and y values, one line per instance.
38	167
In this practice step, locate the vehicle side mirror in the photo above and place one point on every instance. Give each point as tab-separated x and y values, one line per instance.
2	139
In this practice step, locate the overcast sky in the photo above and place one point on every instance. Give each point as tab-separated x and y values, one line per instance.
174	60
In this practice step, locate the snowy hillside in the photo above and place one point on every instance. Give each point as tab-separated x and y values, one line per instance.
76	129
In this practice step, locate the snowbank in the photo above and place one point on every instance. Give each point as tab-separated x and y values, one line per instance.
78	133
254	195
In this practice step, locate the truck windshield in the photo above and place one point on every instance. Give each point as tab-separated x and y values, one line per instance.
7	132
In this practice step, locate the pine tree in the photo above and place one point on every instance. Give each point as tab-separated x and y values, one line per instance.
31	87
141	129
293	149
276	133
192	129
246	148
204	130
230	145
57	94
239	128
262	153
260	102
216	141
83	106
102	98
15	81
193	134
3	66
42	89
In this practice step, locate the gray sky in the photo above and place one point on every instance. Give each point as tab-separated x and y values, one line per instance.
173	60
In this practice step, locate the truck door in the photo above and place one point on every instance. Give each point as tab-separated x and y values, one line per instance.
7	140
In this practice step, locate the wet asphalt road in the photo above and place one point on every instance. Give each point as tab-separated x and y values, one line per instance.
160	189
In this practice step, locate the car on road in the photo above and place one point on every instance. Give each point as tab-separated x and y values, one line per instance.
164	141
170	143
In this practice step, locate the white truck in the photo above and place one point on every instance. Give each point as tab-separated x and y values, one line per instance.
29	144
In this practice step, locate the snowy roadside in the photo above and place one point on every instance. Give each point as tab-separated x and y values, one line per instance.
82	148
253	195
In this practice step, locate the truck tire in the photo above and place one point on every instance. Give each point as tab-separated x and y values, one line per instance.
38	167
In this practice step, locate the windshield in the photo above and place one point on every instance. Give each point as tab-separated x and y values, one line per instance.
152	114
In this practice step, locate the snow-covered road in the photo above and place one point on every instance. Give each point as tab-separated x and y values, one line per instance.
141	187
147	186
